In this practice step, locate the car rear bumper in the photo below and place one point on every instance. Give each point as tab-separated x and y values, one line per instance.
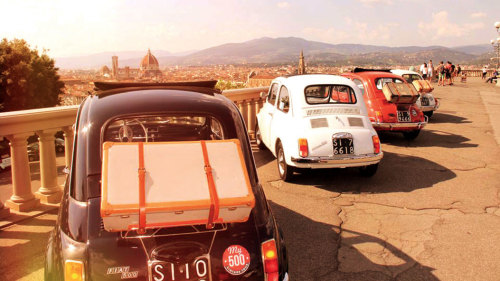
428	108
338	161
398	126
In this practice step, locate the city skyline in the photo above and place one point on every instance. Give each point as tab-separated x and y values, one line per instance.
72	28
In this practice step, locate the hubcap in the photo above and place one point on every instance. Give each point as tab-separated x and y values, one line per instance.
281	162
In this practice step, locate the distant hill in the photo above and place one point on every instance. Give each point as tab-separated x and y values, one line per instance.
286	50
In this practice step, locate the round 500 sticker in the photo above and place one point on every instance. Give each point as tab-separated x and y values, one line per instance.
236	259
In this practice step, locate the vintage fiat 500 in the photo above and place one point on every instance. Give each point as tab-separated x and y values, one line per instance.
317	121
396	112
426	102
88	242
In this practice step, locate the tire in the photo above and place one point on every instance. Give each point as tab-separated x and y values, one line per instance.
428	113
368	171
411	135
285	171
258	138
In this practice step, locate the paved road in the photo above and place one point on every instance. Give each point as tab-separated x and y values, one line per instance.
432	212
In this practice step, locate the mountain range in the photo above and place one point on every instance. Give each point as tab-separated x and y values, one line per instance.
286	50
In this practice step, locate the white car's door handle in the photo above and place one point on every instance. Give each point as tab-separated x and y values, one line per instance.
270	113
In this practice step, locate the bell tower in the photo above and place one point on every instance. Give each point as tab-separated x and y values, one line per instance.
302	64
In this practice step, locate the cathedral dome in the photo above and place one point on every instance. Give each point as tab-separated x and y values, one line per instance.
149	62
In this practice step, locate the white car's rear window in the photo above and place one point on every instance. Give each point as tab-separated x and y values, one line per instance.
329	94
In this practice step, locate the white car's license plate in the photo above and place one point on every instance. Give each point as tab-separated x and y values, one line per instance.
424	101
342	146
404	116
193	271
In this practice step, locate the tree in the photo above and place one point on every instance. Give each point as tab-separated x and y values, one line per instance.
27	80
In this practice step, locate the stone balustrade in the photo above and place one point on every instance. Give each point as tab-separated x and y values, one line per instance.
477	72
17	126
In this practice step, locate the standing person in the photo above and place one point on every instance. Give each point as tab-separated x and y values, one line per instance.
424	70
430	70
453	73
484	72
440	72
447	71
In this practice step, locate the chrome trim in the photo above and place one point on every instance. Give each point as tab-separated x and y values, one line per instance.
342	135
340	159
418	125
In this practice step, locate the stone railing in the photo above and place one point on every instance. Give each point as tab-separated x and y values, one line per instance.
17	126
477	72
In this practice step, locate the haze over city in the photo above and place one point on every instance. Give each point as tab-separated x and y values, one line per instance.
69	28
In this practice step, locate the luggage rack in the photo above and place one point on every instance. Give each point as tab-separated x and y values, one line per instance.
173	231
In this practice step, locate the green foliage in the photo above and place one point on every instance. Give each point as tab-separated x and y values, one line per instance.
227	85
27	80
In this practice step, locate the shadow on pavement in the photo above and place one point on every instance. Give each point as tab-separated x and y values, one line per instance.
262	157
23	248
428	138
313	252
440	117
396	173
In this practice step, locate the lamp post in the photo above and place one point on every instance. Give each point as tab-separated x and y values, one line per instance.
496	47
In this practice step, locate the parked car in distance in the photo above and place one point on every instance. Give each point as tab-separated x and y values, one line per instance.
5	161
174	113
34	149
317	121
426	102
389	113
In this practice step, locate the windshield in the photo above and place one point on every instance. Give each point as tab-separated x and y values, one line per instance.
329	94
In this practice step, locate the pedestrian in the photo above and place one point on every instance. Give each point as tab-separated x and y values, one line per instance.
430	70
440	72
447	72
453	73
493	77
424	70
484	72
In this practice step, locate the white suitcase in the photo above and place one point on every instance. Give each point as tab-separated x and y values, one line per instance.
174	184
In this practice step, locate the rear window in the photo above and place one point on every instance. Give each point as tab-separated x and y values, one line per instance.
411	77
156	128
329	94
380	82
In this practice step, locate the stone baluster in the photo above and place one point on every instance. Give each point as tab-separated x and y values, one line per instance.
252	104
68	145
49	191
22	198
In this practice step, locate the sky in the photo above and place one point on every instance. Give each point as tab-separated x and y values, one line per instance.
70	28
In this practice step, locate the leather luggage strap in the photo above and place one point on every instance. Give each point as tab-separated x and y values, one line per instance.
142	191
213	215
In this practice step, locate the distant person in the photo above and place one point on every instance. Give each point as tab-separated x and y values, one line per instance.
424	70
493	77
459	70
412	68
453	73
440	72
447	72
430	70
485	70
424	65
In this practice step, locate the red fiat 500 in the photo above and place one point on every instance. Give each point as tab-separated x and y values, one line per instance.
397	115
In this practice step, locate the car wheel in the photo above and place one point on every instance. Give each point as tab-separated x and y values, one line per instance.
411	135
285	171
368	171
258	138
428	113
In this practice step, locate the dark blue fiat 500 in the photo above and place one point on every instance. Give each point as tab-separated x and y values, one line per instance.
80	247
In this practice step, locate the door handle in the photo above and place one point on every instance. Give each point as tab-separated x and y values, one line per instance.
271	113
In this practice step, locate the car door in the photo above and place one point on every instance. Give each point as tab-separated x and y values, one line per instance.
267	114
281	118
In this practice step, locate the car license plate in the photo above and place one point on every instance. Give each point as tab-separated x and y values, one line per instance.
199	270
342	146
404	116
424	101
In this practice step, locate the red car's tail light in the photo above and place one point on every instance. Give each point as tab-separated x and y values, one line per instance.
270	260
376	144
73	271
303	148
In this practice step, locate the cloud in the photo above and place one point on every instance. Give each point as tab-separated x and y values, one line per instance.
369	3
441	27
283	5
478	15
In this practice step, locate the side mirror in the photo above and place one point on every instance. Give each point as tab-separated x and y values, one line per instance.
263	95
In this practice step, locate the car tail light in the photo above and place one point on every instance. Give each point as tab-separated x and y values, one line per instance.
270	260
74	271
303	148
378	114
376	144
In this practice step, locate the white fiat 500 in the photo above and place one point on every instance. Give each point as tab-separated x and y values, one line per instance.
317	121
426	102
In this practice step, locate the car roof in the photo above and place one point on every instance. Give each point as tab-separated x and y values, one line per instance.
301	81
371	74
403	71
